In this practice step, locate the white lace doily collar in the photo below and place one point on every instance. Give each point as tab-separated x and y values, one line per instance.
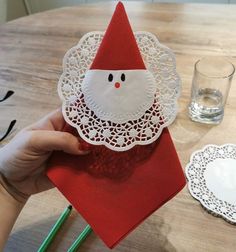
212	179
119	131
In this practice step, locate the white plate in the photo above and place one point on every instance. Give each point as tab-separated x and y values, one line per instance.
212	179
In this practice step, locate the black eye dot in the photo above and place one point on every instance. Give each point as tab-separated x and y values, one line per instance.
123	77
110	77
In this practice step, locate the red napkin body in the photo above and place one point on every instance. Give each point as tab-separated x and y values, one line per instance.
116	191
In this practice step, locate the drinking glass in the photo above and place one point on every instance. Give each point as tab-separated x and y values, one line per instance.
210	88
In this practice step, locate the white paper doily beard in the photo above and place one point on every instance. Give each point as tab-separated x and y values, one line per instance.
159	60
119	96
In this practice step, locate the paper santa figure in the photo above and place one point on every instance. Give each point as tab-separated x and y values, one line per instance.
119	91
110	96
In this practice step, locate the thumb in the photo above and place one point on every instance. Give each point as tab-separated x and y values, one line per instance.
45	140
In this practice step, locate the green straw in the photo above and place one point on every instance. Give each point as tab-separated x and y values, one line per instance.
80	239
48	240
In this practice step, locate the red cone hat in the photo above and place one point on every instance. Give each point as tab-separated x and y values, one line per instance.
118	49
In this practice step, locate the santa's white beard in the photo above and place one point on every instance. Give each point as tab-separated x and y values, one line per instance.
119	95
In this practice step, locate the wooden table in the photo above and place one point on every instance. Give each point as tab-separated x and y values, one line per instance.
31	52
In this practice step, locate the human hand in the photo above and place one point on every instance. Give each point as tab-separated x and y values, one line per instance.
24	158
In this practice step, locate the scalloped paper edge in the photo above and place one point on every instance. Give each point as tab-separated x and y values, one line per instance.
211	211
170	121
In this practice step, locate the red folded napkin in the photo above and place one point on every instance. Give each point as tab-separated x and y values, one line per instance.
116	191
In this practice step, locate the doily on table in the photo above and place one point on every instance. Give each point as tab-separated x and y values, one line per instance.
212	179
159	60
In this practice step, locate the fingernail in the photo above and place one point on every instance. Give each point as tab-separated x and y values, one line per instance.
84	146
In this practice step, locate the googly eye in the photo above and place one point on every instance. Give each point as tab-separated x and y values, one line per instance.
110	77
122	77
